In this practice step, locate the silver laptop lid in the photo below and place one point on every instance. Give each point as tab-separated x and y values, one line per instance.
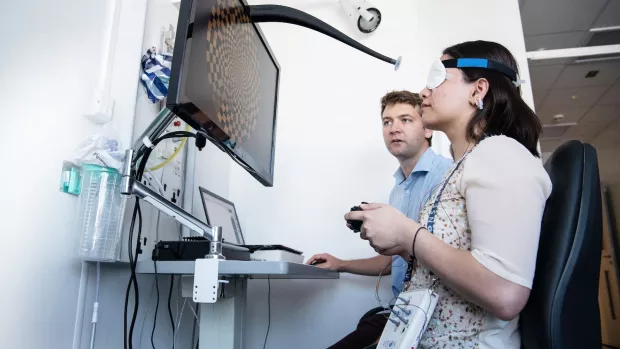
221	212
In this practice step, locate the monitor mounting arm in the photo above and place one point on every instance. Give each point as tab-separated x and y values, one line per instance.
131	186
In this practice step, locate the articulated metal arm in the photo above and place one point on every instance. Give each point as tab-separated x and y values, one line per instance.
130	186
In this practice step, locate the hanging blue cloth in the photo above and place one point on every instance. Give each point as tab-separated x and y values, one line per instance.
155	74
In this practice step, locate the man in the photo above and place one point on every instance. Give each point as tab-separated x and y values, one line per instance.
420	171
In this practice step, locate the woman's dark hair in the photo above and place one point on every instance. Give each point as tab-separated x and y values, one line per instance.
504	111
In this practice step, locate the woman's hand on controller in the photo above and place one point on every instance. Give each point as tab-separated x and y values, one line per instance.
387	229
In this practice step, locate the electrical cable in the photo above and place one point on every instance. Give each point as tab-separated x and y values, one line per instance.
230	153
176	152
174	337
133	257
193	326
175	134
95	308
377	288
169	307
401	306
130	253
156	305
146	313
197	312
268	311
135	279
178	297
160	186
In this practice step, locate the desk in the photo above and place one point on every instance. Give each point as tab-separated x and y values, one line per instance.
221	323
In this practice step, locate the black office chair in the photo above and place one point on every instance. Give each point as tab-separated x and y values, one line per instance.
563	311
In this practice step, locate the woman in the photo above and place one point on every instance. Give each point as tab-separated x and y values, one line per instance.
477	239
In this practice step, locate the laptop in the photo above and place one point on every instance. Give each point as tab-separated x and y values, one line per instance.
222	212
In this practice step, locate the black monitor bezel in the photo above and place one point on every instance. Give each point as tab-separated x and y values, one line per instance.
184	108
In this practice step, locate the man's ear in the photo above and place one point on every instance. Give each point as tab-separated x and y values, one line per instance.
428	133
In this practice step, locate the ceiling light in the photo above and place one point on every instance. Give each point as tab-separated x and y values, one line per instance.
573	52
604	29
558	117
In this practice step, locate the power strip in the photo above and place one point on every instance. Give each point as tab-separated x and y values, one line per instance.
409	318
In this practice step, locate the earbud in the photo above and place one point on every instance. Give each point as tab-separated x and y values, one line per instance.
479	103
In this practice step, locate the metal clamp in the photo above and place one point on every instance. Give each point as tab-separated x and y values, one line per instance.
215	248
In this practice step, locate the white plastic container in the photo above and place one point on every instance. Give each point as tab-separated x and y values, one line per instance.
100	214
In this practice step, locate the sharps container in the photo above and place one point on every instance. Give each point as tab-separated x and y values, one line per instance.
100	214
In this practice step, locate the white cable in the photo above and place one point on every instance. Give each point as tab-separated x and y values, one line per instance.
178	296
95	308
159	185
161	191
195	315
79	316
146	312
147	142
377	288
174	337
157	227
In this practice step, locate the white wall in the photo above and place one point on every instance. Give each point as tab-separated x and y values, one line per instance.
51	55
330	154
154	14
50	63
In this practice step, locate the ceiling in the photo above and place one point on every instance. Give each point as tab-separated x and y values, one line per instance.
561	86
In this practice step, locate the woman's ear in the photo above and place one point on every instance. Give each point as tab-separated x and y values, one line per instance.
481	87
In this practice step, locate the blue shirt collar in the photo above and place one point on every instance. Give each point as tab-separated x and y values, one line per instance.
424	164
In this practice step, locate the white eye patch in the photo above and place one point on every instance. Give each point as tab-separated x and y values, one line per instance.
437	75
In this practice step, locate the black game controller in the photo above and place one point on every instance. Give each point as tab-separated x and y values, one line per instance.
356	226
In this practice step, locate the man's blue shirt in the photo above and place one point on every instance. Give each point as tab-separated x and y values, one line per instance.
410	194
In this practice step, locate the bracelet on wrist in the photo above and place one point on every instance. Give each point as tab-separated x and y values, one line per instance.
415	236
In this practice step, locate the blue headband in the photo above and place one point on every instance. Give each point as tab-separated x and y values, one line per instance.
485	64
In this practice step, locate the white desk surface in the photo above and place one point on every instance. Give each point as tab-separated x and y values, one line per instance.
251	269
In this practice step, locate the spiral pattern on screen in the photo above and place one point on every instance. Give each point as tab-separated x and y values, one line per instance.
233	69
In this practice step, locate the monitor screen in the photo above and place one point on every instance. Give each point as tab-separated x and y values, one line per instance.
224	81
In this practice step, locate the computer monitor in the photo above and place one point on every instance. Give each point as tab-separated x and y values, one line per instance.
224	81
221	212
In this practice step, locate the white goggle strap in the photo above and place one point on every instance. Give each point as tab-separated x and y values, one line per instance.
518	82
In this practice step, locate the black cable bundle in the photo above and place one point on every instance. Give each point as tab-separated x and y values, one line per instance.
156	305
133	256
133	280
170	308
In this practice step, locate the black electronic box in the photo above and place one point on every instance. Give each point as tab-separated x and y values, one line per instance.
191	249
